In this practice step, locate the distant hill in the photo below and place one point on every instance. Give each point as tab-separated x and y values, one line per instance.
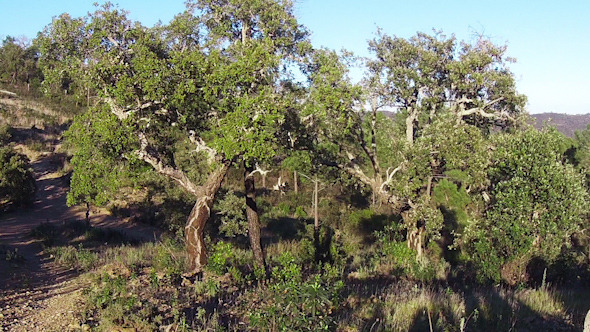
567	124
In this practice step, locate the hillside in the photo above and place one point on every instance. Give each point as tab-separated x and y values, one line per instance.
567	124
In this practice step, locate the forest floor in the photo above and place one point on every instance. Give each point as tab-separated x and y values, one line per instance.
35	292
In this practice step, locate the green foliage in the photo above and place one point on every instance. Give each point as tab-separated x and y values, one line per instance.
357	217
294	304
116	303
447	193
582	153
17	183
167	260
46	232
232	210
100	143
402	261
538	203
5	133
428	215
425	74
18	63
221	253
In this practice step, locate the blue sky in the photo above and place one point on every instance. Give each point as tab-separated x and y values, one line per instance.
549	39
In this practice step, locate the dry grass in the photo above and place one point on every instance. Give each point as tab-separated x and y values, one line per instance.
28	113
541	301
422	308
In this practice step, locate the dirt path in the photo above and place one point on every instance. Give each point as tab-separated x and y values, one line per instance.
31	285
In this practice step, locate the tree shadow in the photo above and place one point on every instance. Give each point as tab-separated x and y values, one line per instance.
284	228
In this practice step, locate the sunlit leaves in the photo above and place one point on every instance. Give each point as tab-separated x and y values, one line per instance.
537	204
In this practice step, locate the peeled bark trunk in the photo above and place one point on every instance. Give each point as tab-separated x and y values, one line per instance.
195	244
252	214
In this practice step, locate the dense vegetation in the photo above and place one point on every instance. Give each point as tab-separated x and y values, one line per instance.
17	184
183	119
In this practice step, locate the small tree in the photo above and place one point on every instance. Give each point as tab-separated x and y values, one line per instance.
537	203
17	183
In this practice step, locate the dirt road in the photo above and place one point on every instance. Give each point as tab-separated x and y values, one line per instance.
34	291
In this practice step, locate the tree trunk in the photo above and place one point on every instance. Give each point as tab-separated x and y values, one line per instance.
316	219
410	126
195	244
252	214
295	182
87	215
316	222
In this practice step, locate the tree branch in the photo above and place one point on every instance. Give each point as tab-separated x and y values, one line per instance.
202	146
124	113
258	170
389	176
175	174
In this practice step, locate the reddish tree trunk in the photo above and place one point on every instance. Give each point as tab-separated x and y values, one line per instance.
195	244
252	214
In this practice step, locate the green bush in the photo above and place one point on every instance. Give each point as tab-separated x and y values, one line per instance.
219	258
116	304
537	204
46	232
17	183
232	211
291	303
5	133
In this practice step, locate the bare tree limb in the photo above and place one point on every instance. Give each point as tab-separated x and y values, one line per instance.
175	174
119	112
259	170
389	176
202	146
124	112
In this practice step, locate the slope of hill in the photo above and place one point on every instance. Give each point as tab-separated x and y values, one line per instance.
567	124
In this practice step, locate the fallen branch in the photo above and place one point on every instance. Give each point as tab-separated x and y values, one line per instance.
8	93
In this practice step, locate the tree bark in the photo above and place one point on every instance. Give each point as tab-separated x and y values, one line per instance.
87	215
252	214
316	219
295	182
410	126
195	244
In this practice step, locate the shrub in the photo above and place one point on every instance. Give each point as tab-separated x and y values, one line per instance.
291	303
537	204
232	210
5	133
220	256
17	183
